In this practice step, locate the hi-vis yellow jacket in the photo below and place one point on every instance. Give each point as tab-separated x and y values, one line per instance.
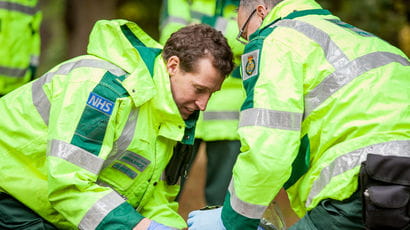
321	95
220	119
85	146
20	42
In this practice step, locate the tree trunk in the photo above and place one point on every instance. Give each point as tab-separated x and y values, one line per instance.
81	16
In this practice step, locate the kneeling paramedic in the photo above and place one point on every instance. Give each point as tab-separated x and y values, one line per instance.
323	97
87	145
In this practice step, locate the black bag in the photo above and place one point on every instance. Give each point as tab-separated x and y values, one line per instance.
179	163
385	190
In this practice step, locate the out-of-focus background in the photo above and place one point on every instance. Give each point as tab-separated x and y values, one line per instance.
67	23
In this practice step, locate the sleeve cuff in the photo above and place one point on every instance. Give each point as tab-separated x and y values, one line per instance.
122	217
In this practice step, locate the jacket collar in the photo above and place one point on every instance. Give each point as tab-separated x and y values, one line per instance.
166	110
286	7
124	44
121	42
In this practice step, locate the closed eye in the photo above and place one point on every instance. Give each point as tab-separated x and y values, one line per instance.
200	90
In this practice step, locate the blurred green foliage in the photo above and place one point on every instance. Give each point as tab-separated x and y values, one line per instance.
384	18
53	34
144	12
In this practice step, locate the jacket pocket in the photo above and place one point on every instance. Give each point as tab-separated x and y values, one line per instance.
385	189
387	206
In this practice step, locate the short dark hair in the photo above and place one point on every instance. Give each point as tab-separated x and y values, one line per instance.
197	41
250	5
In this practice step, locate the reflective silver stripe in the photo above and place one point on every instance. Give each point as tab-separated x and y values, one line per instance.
173	19
197	15
353	28
18	72
122	143
221	24
12	72
333	53
221	115
270	118
128	132
40	99
245	209
76	155
92	63
18	7
355	158
163	176
345	70
343	76
34	60
100	210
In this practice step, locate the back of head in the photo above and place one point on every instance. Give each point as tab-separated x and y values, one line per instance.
251	4
194	42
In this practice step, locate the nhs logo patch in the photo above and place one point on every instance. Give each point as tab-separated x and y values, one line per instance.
99	103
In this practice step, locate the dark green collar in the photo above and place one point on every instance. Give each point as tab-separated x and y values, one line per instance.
189	134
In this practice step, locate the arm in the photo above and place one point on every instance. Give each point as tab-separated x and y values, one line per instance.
143	224
270	130
162	206
81	133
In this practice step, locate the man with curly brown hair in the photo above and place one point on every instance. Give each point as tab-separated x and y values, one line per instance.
89	143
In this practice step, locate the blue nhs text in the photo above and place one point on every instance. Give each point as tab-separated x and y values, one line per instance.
100	103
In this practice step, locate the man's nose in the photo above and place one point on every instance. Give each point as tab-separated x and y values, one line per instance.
202	102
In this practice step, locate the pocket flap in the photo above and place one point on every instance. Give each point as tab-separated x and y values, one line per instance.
394	196
389	169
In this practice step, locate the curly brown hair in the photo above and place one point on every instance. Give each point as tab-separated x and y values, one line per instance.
194	42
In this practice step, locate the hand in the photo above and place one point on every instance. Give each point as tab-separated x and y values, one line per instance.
205	220
147	224
157	226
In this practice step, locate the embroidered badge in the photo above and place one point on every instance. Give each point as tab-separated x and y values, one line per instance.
250	64
124	169
100	103
137	161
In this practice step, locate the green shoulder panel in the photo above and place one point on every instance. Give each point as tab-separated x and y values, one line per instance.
301	163
251	64
147	54
91	129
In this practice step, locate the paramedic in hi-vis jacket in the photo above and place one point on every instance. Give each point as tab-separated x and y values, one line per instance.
88	144
326	116
217	126
20	43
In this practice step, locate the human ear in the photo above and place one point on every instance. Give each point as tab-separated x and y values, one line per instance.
172	65
261	11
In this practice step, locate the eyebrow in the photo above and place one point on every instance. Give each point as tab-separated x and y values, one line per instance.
203	87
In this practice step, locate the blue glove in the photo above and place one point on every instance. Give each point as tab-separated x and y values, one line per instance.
157	226
205	220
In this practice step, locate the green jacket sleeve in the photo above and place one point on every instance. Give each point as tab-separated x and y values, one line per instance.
269	128
162	206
